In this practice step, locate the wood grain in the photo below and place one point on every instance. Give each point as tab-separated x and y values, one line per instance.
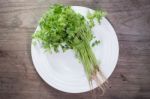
18	78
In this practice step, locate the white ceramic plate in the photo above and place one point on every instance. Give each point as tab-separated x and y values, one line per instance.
63	71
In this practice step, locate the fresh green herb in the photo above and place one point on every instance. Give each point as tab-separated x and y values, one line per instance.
96	43
98	15
61	27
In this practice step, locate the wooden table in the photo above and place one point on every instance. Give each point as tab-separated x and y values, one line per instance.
18	78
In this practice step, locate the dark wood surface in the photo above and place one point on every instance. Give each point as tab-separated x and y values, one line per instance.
18	78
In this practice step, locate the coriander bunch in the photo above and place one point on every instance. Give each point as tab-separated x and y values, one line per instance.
61	27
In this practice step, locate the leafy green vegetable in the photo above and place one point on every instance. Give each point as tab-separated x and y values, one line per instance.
96	43
61	27
97	14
